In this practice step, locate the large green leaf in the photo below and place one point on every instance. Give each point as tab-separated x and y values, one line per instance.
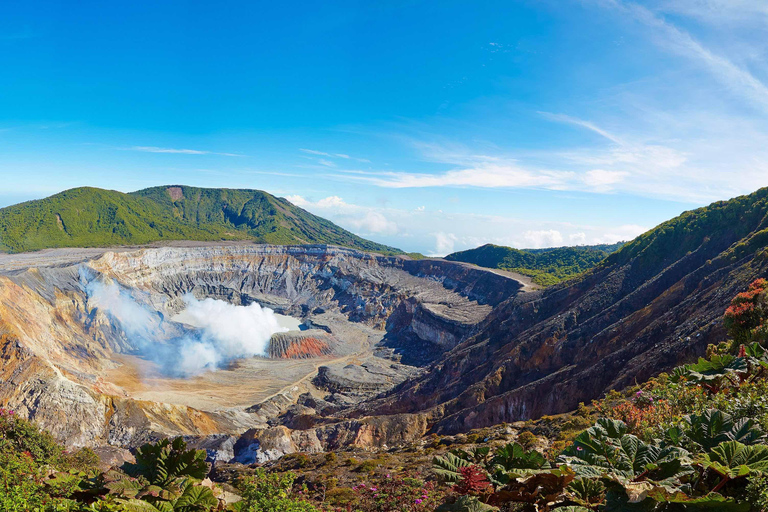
134	505
713	427
196	498
712	501
714	370
586	491
733	459
606	450
120	484
514	456
448	466
466	504
164	461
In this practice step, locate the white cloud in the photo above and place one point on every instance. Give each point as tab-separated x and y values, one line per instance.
373	222
577	238
155	149
331	202
483	175
602	180
718	12
438	233
314	152
545	238
584	124
623	233
298	200
332	155
359	219
444	243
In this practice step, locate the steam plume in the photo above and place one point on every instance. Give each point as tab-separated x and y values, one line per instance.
222	332
229	331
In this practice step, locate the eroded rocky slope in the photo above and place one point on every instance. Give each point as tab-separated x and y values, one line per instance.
656	303
71	366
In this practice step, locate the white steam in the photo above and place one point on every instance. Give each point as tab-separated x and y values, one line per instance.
134	318
230	332
222	332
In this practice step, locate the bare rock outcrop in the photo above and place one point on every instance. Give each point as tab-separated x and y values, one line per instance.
301	344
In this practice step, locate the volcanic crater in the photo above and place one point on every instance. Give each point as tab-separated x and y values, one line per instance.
369	323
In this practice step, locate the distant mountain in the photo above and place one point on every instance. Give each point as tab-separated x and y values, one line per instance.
92	217
545	266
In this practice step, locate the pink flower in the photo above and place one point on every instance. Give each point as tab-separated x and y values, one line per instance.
418	501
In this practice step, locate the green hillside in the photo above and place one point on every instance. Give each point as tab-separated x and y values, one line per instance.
92	217
545	266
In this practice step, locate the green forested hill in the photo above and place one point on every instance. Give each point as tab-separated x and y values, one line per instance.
545	266
92	217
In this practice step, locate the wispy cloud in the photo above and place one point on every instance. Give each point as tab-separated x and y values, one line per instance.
155	149
314	152
719	11
333	155
584	124
506	174
677	40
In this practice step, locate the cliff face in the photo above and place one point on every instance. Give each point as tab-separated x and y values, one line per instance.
70	366
656	303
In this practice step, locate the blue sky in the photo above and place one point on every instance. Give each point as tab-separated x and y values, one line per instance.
429	125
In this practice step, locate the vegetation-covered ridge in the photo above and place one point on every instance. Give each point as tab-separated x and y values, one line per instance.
545	266
92	217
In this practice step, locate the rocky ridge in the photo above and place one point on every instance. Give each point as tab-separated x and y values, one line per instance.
656	303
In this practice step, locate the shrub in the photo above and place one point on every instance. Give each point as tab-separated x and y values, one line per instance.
271	492
397	494
527	440
340	496
298	460
164	461
20	487
20	435
84	460
747	313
